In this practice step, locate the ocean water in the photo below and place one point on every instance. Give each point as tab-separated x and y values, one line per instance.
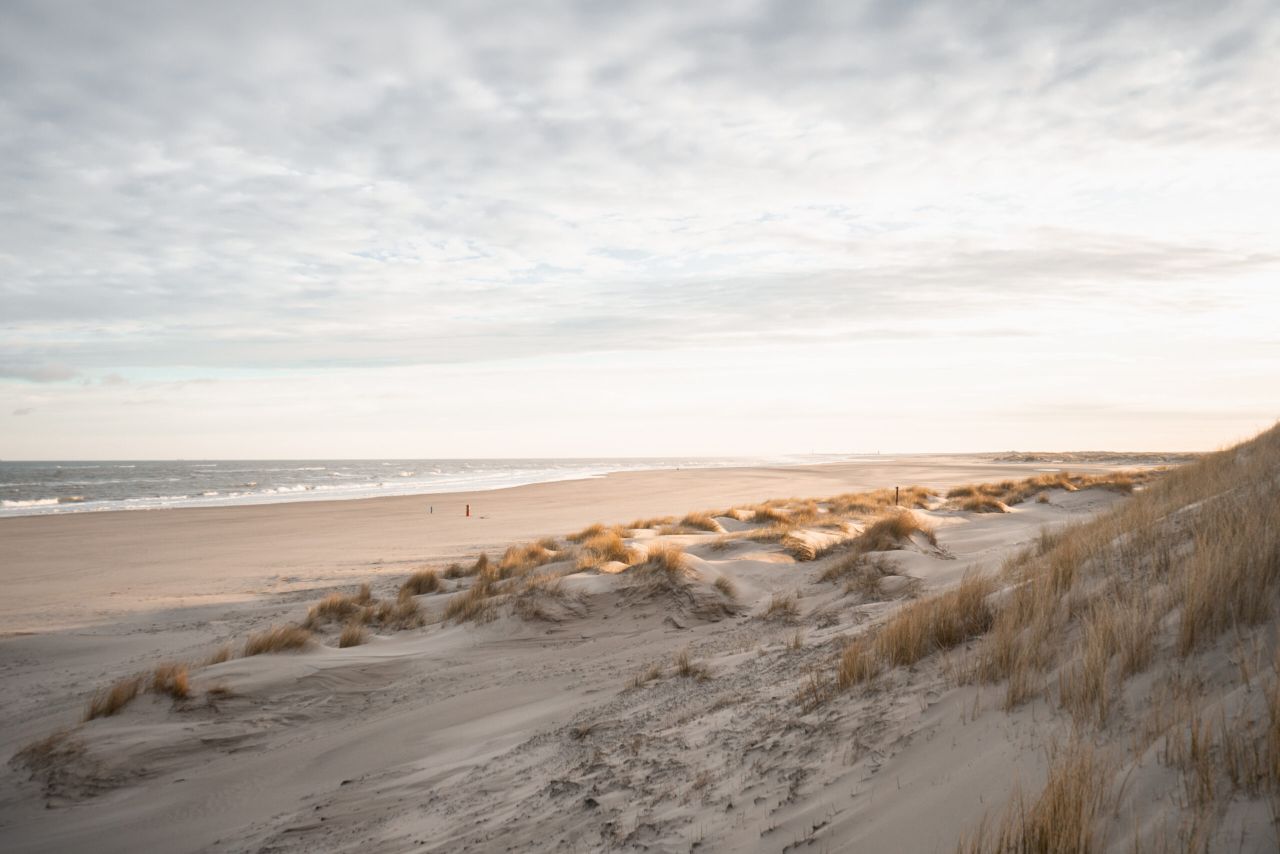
32	488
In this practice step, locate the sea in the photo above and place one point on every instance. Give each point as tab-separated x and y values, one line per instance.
37	488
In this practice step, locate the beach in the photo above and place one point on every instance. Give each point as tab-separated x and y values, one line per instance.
97	595
680	682
84	569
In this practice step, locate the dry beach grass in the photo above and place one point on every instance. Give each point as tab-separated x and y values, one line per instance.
1116	642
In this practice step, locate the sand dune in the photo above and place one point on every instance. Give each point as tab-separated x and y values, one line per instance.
685	698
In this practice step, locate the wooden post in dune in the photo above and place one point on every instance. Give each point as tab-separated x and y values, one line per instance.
468	511
895	496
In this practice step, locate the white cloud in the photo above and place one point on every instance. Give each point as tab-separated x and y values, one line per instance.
213	189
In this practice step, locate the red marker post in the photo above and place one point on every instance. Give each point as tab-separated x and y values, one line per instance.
468	511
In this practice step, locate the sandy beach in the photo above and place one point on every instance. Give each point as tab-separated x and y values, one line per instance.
83	569
309	751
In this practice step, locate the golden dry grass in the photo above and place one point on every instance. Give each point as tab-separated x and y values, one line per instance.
108	701
993	497
858	663
663	566
766	513
604	547
353	634
1113	628
804	548
1192	558
686	668
475	604
422	582
725	586
404	613
862	574
277	639
981	504
219	655
701	521
774	533
645	676
867	503
1061	820
893	531
587	533
52	751
522	558
782	608
650	523
939	622
544	597
1231	577
335	607
172	679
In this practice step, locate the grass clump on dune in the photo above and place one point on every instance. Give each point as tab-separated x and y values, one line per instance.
889	532
219	655
1232	575
403	613
522	558
545	597
107	701
999	496
702	521
604	547
804	547
861	574
782	608
1061	820
46	755
867	503
645	676
940	622
172	679
663	565
475	603
653	522
353	634
725	586
457	570
593	530
981	504
335	607
921	629
775	533
858	663
277	639
686	668
767	513
422	582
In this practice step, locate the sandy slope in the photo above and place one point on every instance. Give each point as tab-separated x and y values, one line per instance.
513	734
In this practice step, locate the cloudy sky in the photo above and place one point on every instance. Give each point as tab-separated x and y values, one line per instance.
595	228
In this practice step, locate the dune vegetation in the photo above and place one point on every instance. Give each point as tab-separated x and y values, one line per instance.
1131	642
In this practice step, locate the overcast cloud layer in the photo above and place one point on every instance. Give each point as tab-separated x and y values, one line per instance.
266	229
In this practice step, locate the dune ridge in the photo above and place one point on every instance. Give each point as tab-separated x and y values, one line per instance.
759	677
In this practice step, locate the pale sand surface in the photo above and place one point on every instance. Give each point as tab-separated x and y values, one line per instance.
512	735
78	569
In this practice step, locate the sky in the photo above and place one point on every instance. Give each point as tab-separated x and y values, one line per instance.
269	229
